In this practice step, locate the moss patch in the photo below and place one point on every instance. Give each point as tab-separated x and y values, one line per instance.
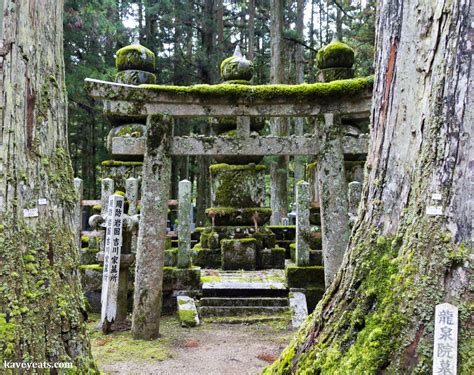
335	55
120	163
291	93
135	57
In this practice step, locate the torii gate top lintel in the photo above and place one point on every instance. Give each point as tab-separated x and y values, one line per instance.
350	97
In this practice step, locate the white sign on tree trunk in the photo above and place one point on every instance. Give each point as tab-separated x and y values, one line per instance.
445	351
113	245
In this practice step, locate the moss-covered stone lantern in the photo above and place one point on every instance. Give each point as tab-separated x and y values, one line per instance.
335	62
135	66
236	70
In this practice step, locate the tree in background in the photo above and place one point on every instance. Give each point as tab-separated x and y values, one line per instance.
42	313
403	257
190	38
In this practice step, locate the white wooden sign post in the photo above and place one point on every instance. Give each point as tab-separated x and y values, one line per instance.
112	248
445	351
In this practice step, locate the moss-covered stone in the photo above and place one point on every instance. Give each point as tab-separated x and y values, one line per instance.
237	67
237	186
187	317
290	93
271	258
135	77
181	278
302	277
335	55
206	258
135	57
334	74
239	254
171	257
239	216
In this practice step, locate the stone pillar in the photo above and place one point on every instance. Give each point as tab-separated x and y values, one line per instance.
302	223
334	62
333	197
152	229
131	191
354	193
107	189
184	224
78	186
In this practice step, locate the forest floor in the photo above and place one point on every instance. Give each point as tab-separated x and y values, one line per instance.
211	349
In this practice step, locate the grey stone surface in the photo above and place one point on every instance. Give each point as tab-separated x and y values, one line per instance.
333	196
184	224
299	308
354	196
239	254
192	105
187	311
252	145
302	223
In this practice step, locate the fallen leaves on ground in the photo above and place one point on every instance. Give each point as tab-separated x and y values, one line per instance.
267	357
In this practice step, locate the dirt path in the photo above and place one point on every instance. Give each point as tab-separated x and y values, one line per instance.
212	349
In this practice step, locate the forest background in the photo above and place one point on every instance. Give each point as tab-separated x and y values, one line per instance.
190	39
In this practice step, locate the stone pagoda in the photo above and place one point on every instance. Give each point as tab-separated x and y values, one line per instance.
237	238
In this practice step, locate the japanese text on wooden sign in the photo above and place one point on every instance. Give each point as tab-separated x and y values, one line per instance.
445	340
113	245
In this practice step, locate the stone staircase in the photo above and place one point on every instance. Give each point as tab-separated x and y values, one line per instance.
244	296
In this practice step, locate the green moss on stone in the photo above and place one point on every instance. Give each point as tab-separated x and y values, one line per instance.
291	93
335	55
132	130
135	57
120	163
187	317
301	277
236	167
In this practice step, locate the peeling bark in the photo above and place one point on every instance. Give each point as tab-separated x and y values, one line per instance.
378	314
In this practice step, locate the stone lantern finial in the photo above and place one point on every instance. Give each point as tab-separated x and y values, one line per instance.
236	67
335	62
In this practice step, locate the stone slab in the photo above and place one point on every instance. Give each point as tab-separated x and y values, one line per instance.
187	311
299	308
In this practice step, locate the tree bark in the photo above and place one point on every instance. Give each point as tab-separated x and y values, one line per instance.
279	126
251	31
402	260
42	314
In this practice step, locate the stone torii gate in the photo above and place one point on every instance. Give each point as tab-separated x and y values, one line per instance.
325	104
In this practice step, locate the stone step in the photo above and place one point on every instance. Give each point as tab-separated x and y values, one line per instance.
222	311
264	283
255	292
252	319
245	301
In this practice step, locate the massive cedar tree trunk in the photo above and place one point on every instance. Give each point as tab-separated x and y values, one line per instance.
41	305
378	314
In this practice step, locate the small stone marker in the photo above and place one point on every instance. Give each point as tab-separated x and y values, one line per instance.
302	223
113	245
187	311
445	340
299	308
